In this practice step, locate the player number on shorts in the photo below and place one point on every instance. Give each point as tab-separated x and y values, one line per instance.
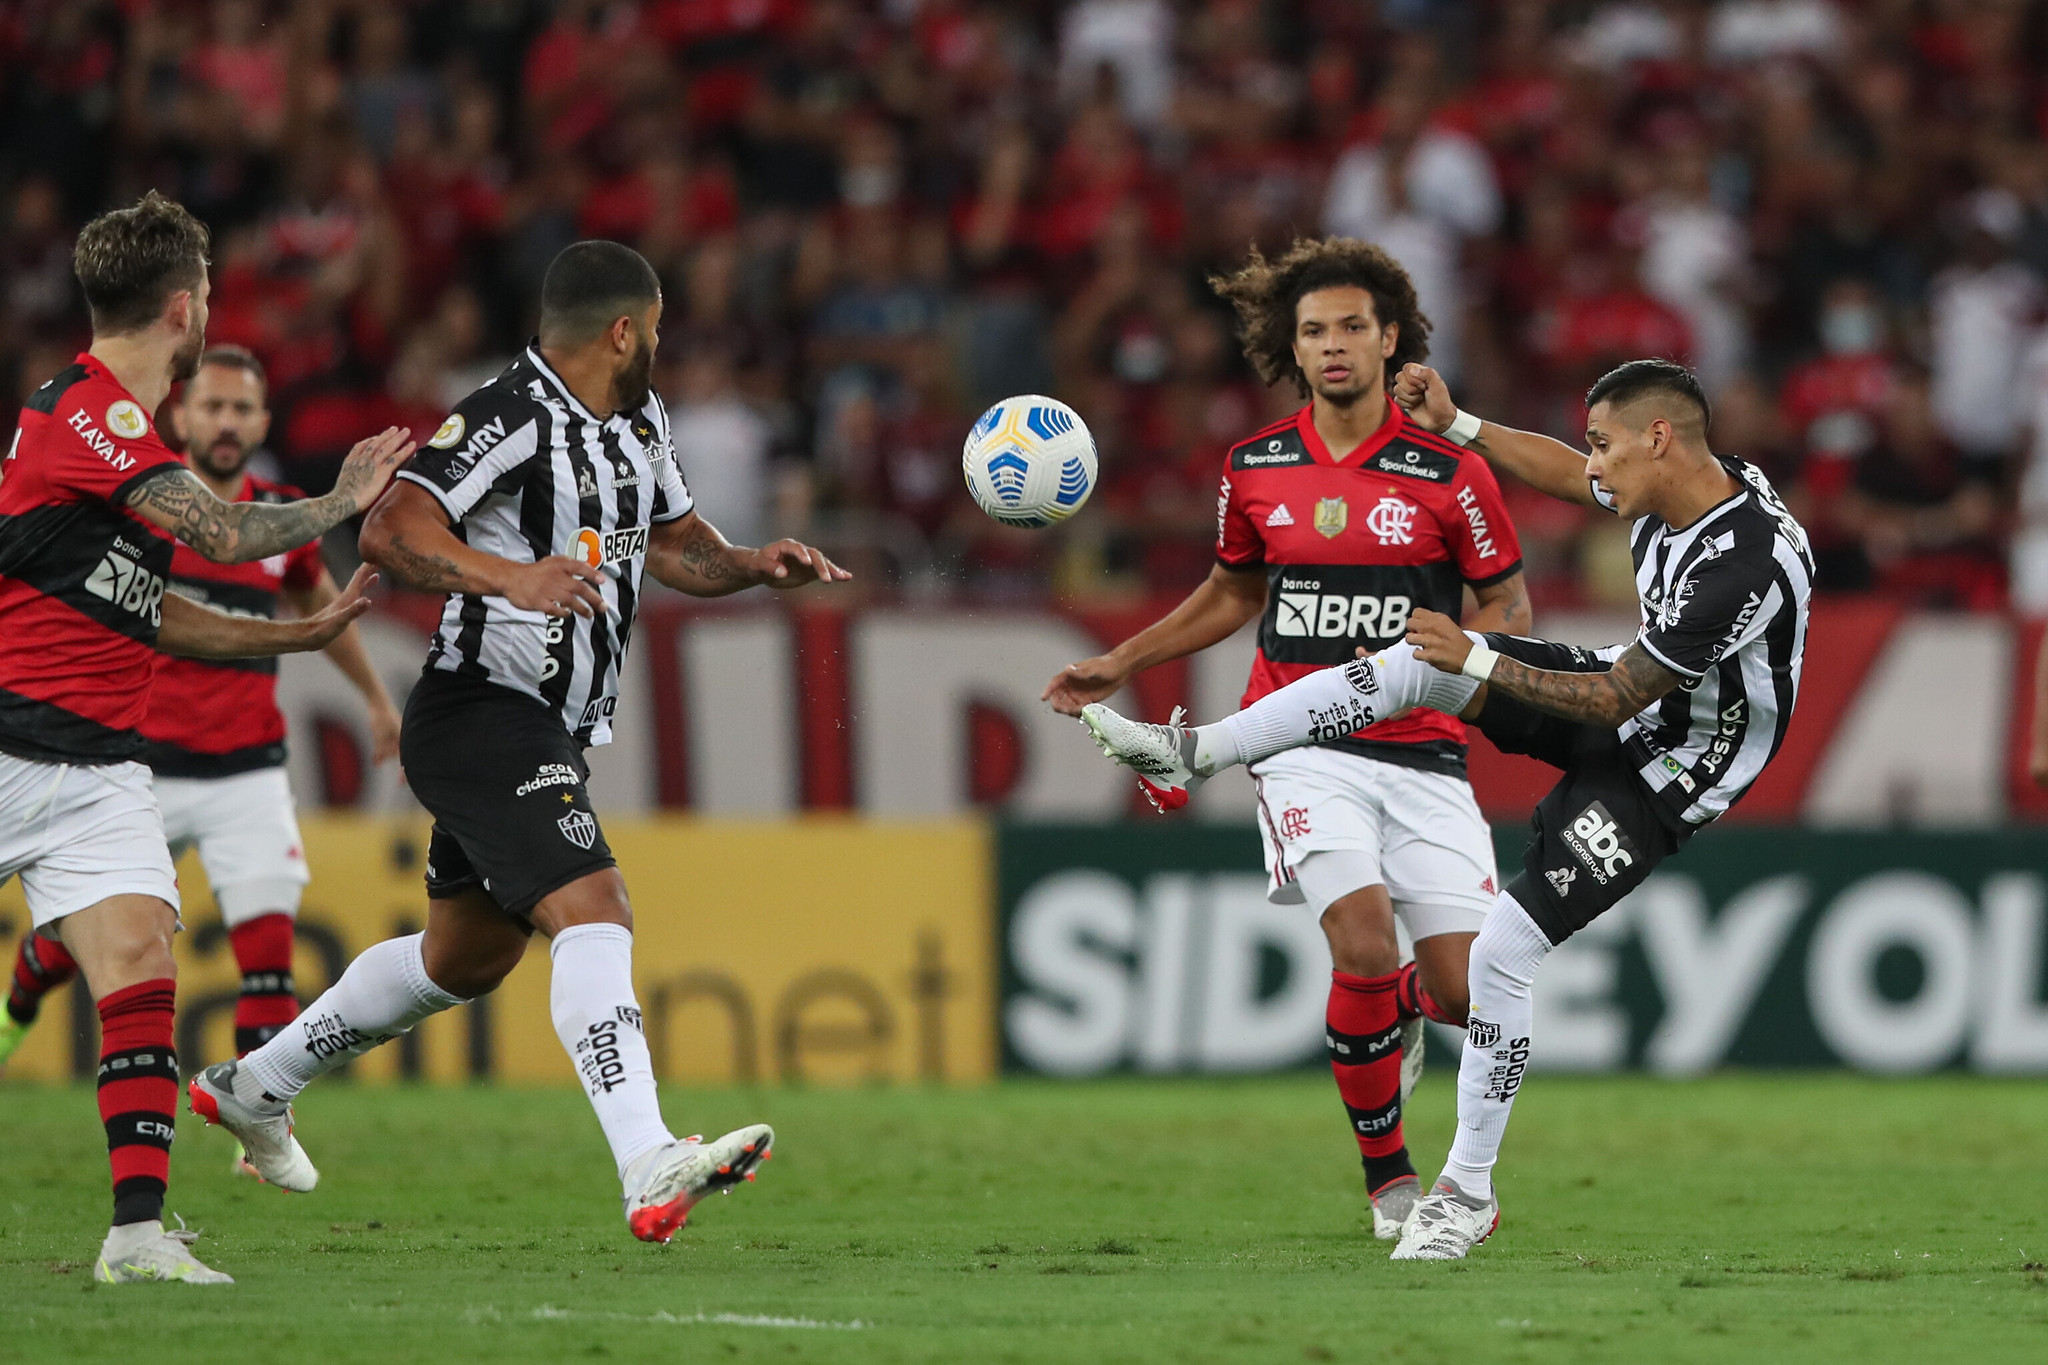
128	586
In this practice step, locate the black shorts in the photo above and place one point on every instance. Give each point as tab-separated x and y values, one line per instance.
505	783
1598	833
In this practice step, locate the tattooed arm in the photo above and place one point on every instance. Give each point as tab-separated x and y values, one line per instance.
237	532
408	535
1630	686
689	555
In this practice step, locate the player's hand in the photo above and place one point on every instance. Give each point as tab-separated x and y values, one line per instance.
367	471
318	630
1424	394
1076	685
555	586
384	725
792	564
1439	641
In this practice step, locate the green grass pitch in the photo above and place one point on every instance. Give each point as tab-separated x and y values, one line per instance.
1741	1218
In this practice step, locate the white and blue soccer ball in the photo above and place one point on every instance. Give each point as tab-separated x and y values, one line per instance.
1030	461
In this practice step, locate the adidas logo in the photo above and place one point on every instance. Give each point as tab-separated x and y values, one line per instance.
1280	516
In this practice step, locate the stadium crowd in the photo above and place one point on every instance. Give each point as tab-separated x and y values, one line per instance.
873	217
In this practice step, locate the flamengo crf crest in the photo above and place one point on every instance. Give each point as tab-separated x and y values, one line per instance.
1331	516
579	827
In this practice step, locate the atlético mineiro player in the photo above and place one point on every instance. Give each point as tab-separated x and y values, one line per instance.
216	735
1334	526
90	500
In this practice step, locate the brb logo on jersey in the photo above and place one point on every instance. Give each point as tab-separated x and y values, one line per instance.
1393	521
119	579
1336	616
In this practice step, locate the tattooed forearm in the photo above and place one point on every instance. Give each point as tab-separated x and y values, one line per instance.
234	532
691	556
421	570
1632	684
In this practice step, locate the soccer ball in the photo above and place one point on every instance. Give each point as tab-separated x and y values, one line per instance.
1030	461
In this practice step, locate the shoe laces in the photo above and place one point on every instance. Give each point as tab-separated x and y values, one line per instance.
183	1235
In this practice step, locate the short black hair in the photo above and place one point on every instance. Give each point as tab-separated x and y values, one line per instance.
1624	384
230	357
591	285
1265	294
130	261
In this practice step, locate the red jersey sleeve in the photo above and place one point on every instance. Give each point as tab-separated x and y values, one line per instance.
104	455
1482	537
1238	542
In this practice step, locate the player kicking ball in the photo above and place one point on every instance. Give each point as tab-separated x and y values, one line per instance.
1655	739
1334	525
537	509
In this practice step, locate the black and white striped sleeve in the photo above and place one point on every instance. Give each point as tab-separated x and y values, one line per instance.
672	499
483	445
1724	602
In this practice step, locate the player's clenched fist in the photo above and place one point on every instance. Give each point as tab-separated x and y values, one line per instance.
556	586
1423	393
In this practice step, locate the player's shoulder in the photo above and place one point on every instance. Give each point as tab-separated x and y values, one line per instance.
1423	456
491	412
1277	446
85	398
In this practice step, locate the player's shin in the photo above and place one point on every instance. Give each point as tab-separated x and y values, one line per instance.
598	1020
384	993
1496	1055
266	1003
1329	704
138	1095
1363	1032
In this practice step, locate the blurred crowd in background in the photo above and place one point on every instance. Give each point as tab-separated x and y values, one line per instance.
875	217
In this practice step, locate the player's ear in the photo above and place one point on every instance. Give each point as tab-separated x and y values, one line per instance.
1390	337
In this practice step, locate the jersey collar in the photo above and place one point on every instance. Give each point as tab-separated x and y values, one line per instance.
554	382
1312	440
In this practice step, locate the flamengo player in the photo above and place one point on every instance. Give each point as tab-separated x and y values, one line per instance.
1655	738
215	735
1335	525
536	508
89	498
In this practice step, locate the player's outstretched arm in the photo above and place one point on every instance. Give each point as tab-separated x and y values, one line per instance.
198	632
1630	686
237	532
407	535
1213	612
689	555
1544	464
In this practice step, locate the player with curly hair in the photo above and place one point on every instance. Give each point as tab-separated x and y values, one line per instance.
1334	525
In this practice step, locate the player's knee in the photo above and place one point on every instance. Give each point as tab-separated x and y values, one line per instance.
1361	935
599	898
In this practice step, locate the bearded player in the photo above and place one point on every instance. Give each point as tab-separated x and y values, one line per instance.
1336	524
1654	739
538	509
215	734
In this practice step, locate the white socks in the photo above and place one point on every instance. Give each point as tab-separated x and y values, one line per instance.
1496	1053
1329	704
384	992
598	1021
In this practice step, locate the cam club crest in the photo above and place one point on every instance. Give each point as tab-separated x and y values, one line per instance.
1331	517
579	827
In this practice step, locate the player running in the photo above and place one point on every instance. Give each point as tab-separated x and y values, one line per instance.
215	734
89	501
1655	738
1334	525
537	508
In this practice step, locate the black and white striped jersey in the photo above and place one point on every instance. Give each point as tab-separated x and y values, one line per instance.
1724	604
526	471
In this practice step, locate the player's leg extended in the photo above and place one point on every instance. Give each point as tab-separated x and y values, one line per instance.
41	965
469	943
597	1017
123	947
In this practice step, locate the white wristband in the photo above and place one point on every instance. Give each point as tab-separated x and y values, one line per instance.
1464	428
1479	663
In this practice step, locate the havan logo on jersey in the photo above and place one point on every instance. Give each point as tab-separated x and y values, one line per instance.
100	443
599	548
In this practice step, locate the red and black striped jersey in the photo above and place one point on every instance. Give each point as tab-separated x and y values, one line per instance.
1351	547
81	578
218	717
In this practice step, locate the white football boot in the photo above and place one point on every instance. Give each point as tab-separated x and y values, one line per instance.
145	1251
265	1133
1393	1207
663	1185
1163	756
1447	1224
1414	1051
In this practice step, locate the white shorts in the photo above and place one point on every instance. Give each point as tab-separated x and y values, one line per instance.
1417	833
247	833
78	833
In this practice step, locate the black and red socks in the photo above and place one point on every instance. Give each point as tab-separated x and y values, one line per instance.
1363	1030
138	1094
